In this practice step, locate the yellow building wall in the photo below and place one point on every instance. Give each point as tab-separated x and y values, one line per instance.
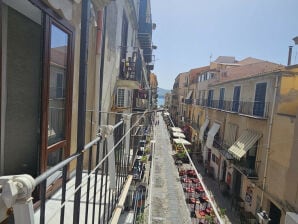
288	100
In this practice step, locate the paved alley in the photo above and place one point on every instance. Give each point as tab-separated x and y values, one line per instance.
168	202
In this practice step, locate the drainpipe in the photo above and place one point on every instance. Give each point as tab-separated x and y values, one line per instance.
85	17
269	139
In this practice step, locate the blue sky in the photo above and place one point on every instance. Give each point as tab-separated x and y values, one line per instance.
189	31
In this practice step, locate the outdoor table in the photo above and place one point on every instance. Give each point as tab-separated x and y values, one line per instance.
186	180
189	189
199	189
193	200
208	210
182	172
203	199
190	172
200	214
195	180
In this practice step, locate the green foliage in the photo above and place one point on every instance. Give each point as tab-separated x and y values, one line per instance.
147	150
222	212
144	159
209	219
140	218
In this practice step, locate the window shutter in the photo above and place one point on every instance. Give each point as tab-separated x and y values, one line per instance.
236	98
260	96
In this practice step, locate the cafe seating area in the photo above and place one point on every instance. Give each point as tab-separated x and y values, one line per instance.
196	198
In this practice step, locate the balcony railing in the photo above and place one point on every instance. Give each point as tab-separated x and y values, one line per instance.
249	172
256	109
188	101
88	192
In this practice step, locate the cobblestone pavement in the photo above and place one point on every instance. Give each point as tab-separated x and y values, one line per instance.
168	203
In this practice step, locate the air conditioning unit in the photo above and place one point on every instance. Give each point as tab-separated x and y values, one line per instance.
123	97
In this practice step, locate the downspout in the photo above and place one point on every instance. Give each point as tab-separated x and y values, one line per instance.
85	18
269	140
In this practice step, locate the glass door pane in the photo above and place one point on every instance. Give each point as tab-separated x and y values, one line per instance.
57	82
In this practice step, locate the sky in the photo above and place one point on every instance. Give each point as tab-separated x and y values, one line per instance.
188	32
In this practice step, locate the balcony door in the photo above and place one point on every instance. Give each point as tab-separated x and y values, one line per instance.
56	95
36	84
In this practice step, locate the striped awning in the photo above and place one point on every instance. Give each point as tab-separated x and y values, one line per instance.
244	143
181	141
189	95
175	129
202	129
178	135
211	133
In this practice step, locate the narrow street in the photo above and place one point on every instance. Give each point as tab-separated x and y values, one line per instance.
168	202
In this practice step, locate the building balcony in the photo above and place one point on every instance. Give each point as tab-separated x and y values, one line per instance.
145	31
188	101
140	100
68	193
255	109
246	167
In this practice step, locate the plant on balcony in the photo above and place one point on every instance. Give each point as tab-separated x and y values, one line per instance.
144	159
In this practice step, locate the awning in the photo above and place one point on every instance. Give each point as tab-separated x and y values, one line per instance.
189	95
211	133
131	84
202	129
175	129
178	135
247	139
181	141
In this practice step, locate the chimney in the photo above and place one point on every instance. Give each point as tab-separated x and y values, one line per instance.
290	55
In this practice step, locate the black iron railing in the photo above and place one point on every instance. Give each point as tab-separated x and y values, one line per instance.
98	200
255	108
188	101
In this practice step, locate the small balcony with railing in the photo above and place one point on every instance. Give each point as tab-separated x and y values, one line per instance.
88	186
145	31
188	101
247	166
254	109
140	100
